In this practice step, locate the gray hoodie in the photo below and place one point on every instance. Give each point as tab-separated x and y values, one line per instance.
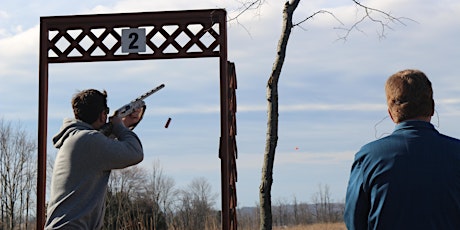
81	172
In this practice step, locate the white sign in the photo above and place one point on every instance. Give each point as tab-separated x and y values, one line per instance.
133	40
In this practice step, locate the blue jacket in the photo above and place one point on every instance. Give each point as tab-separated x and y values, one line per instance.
407	180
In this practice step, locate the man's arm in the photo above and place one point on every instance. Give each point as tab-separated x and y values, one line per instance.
126	149
356	201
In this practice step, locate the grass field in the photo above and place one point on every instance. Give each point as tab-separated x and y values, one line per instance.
322	226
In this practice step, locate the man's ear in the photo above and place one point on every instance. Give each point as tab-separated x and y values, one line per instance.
391	116
102	117
100	121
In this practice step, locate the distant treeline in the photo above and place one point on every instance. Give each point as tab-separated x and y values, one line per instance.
138	198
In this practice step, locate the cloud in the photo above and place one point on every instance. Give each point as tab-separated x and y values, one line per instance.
124	6
17	51
325	158
193	109
448	101
315	107
203	163
242	108
181	163
4	15
19	75
296	157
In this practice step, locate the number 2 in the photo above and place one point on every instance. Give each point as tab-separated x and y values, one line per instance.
134	37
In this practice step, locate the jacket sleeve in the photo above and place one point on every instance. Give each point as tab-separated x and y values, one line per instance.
124	151
356	201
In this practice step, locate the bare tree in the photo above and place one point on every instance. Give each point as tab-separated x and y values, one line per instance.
295	207
248	218
160	191
125	188
323	205
305	215
281	213
195	206
17	173
272	122
138	199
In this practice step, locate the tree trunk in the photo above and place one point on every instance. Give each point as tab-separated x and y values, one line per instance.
272	121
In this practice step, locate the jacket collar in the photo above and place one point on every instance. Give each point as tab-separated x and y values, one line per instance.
414	124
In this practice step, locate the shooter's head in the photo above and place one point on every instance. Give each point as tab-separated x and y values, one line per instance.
89	104
409	96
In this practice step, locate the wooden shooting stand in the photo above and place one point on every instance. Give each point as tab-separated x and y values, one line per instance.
133	33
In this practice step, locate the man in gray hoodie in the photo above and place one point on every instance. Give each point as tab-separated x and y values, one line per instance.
85	159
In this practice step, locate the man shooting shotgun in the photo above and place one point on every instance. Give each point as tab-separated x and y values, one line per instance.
136	104
86	157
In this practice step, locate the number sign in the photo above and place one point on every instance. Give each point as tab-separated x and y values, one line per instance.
133	40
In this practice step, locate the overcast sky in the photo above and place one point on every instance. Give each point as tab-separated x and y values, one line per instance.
330	91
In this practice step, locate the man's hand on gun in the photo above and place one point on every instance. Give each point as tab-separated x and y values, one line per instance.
129	120
134	117
130	114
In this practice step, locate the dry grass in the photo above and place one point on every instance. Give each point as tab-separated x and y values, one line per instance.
322	226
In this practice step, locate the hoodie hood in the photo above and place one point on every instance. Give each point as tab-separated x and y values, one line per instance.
69	128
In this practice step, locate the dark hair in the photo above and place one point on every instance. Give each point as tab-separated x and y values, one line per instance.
89	104
409	95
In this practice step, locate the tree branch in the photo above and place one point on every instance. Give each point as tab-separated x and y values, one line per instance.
314	14
246	6
384	24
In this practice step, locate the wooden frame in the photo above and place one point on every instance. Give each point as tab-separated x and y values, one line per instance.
74	31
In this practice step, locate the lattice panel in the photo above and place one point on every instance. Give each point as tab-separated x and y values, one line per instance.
99	38
232	145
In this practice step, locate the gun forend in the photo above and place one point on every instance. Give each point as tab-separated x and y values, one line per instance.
136	103
129	108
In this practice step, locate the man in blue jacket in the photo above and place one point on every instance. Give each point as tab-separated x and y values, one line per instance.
411	178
